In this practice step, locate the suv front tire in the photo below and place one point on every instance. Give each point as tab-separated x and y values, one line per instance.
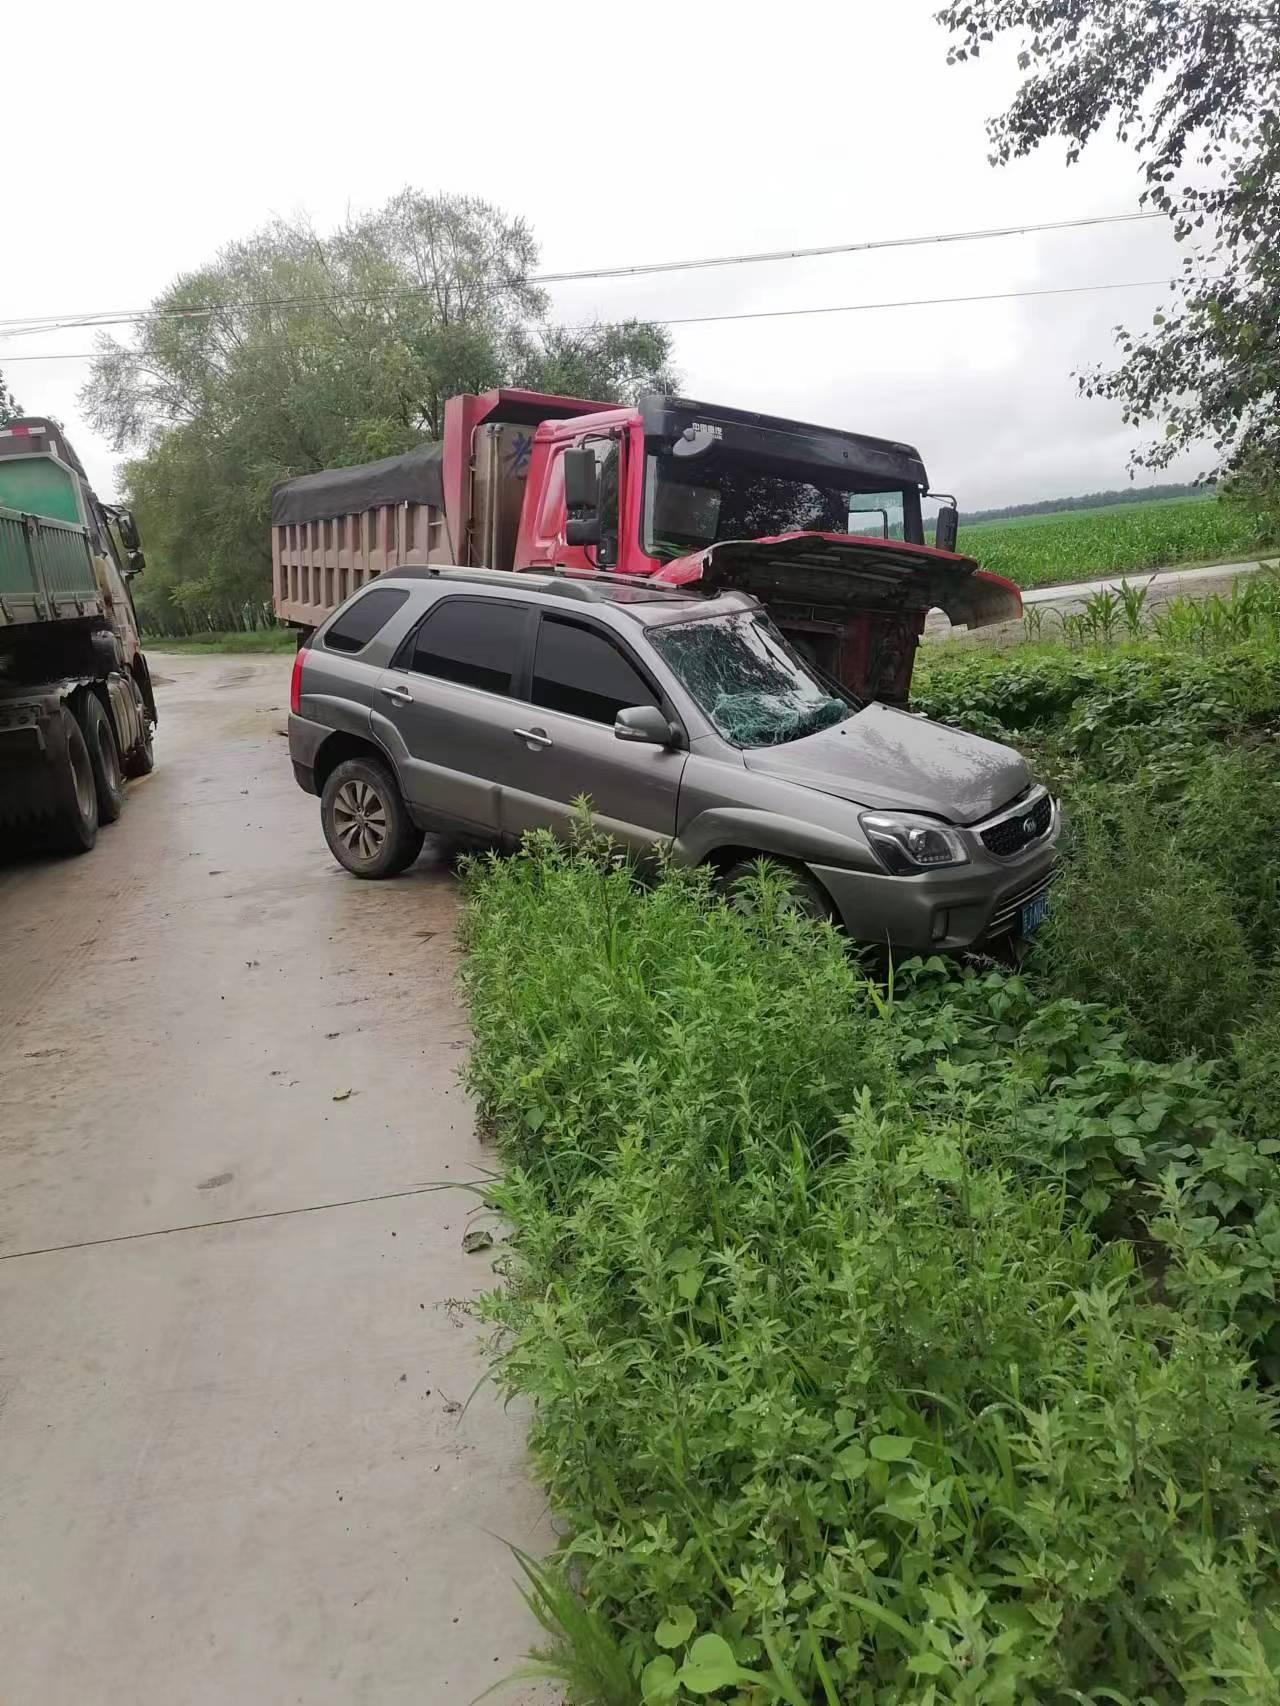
365	822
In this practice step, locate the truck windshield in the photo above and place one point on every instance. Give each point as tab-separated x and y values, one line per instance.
692	502
744	675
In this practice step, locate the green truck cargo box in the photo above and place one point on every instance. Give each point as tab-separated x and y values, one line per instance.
46	570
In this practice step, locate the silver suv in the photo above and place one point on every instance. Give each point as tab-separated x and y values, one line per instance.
481	703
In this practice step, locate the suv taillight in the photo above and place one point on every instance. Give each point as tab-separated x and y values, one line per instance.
295	682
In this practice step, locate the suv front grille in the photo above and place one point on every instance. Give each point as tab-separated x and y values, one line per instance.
1019	829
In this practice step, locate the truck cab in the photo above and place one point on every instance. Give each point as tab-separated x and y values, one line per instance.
825	527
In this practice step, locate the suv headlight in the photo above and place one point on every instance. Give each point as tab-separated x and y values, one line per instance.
906	843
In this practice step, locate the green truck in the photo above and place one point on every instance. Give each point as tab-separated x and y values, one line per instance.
77	710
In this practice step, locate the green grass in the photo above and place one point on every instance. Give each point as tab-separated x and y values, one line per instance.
914	1343
846	1378
233	640
1122	539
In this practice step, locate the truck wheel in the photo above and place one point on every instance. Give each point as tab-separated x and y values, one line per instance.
75	815
141	760
804	893
365	821
104	756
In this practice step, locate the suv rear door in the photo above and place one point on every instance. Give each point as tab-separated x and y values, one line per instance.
445	709
583	675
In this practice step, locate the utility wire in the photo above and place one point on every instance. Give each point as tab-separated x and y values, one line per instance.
770	313
22	327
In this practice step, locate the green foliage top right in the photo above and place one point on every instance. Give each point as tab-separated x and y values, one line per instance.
1195	88
8	403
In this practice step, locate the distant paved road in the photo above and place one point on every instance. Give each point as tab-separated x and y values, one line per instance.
1161	585
233	1462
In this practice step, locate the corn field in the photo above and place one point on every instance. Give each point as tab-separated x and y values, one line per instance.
1077	545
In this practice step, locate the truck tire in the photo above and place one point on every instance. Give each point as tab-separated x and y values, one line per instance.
104	756
141	759
75	809
365	822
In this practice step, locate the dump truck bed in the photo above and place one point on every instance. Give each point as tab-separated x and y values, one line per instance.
46	570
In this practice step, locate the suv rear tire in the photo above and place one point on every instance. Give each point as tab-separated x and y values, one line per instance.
365	822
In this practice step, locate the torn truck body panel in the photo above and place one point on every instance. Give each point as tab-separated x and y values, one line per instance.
855	606
842	571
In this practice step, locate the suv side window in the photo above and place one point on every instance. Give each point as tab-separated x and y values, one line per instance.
362	620
476	642
578	671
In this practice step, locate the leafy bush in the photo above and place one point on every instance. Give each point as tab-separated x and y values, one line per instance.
1257	1064
1168	764
1230	823
1141	926
837	1392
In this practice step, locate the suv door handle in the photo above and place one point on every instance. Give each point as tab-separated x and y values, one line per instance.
535	737
399	693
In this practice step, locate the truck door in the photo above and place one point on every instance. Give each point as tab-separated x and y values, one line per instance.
549	547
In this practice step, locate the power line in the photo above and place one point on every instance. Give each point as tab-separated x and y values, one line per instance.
773	313
111	317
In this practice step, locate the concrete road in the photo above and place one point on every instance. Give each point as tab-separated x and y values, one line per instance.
234	1462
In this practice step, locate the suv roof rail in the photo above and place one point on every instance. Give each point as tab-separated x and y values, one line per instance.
587	588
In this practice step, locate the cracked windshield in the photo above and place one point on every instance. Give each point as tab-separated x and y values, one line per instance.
691	504
747	679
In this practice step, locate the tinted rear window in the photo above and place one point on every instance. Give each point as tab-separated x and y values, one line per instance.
579	671
366	617
476	642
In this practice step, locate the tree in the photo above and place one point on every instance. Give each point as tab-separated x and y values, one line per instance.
599	360
9	408
1194	86
292	352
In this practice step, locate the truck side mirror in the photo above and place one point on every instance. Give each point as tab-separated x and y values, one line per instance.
581	497
135	562
947	528
128	530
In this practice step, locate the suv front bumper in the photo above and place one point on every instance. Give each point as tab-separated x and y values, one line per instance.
944	911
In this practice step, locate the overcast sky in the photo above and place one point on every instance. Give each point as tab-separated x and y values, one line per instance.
158	133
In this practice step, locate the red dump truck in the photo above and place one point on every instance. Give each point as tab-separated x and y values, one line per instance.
825	527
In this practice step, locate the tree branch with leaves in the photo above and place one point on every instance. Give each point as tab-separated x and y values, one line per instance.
9	409
1193	86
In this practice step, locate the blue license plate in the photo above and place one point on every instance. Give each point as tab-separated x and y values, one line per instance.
1034	914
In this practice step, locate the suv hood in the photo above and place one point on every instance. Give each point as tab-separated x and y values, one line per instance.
891	760
841	572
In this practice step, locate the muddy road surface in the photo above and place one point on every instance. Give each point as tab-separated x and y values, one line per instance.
235	1463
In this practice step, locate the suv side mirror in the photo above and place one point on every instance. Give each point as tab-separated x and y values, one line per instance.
581	497
947	528
644	725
